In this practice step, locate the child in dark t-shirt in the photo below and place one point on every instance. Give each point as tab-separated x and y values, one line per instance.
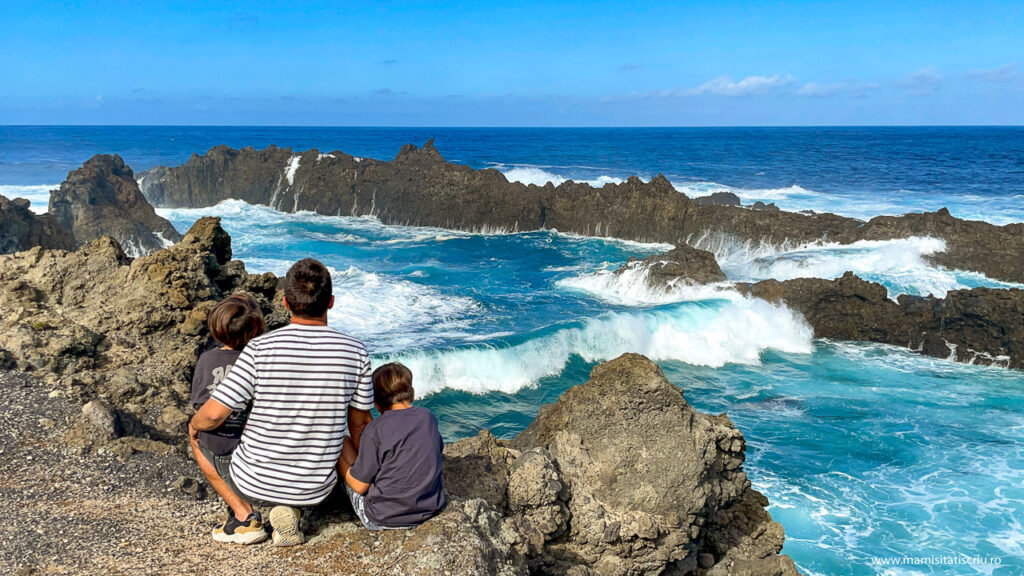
394	476
232	323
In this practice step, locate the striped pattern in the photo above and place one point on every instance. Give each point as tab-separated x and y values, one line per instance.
301	380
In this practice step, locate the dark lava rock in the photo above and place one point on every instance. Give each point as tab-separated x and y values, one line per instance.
977	326
681	265
190	486
102	198
418	187
21	229
718	199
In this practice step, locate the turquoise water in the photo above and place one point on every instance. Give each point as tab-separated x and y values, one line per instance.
864	450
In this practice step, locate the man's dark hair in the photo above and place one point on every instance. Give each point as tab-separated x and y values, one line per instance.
392	383
307	288
236	320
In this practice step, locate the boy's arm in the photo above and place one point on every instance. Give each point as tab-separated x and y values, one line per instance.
364	466
357	486
345	463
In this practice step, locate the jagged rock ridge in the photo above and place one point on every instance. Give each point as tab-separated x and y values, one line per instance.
418	187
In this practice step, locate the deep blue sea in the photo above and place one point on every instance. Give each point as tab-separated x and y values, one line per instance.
865	451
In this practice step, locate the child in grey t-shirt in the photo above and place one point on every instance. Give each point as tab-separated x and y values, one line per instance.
394	476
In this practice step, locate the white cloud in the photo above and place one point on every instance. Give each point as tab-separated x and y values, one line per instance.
852	87
1007	73
923	82
749	86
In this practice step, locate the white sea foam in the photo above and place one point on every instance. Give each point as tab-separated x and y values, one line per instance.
630	288
540	177
38	195
898	264
166	243
735	330
652	247
291	169
386	311
698	189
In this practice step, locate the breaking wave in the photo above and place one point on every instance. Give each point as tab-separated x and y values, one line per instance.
732	329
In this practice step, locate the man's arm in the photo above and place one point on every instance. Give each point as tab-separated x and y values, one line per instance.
209	417
357	421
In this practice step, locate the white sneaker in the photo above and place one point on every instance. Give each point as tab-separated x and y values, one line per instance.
285	522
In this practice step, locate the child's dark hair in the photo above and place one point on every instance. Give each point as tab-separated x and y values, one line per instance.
392	383
236	320
307	288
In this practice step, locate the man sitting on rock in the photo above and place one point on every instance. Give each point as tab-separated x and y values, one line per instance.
394	478
306	382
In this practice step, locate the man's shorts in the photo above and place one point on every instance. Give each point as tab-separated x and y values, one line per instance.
222	464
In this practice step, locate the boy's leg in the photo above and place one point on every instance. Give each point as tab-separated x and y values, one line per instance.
240	508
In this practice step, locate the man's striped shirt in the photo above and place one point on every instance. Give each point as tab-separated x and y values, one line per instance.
301	381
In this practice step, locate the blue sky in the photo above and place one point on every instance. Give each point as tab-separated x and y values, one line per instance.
512	64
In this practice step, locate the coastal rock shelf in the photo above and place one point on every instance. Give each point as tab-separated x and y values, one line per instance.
977	326
419	187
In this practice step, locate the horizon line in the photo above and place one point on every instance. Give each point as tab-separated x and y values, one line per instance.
506	127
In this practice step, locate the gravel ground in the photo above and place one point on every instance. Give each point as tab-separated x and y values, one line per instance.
66	510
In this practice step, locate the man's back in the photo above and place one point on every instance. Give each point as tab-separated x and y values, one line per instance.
302	379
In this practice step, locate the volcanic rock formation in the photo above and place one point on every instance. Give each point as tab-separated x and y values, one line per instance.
418	187
976	326
103	198
681	265
21	229
98	324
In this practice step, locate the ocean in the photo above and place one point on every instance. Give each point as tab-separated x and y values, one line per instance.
867	452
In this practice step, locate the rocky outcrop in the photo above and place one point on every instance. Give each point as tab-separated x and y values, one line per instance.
21	229
621	477
679	266
96	324
718	199
419	187
102	198
976	326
